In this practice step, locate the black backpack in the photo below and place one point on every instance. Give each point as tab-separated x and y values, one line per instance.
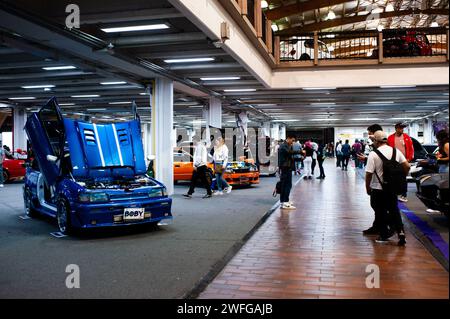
394	178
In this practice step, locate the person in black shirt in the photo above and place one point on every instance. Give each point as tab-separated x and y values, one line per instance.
320	160
286	166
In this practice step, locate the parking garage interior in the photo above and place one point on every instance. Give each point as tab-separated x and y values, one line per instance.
250	70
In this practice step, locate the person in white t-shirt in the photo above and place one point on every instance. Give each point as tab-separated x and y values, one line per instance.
200	164
220	166
384	203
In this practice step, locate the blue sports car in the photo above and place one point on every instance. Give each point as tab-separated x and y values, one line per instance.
90	175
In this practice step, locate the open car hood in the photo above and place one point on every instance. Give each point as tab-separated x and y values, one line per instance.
105	150
86	150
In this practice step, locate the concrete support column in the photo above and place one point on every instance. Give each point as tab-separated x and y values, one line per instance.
162	128
282	132
428	134
19	136
275	132
147	139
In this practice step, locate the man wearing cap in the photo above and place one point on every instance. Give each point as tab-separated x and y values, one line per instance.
404	144
383	202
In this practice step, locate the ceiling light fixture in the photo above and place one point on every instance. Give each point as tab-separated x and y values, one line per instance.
434	24
331	15
381	102
22	98
113	83
390	8
44	86
319	89
147	27
275	28
239	90
85	96
191	60
67	104
120	103
57	68
264	4
226	78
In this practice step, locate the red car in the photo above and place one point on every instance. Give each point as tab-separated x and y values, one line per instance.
13	169
405	44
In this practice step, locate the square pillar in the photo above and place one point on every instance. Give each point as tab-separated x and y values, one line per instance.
19	136
162	128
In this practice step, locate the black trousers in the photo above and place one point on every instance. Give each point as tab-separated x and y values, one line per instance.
387	213
313	165
345	160
286	184
338	160
322	171
201	174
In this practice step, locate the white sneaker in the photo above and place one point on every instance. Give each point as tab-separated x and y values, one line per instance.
229	189
287	206
403	199
1	185
218	193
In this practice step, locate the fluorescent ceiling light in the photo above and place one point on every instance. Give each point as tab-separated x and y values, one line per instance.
319	89
55	68
275	28
66	104
147	27
324	120
324	103
381	103
195	106
438	101
22	98
113	83
285	120
427	106
120	103
366	119
240	90
221	78
85	96
404	118
44	86
100	109
397	86
144	94
264	4
189	60
434	24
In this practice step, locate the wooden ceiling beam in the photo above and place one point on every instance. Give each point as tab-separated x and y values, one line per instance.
356	19
300	7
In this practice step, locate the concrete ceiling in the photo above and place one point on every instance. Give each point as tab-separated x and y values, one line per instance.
33	36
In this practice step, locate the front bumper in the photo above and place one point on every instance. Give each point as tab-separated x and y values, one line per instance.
242	178
111	214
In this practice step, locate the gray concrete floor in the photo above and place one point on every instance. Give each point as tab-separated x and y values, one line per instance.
164	262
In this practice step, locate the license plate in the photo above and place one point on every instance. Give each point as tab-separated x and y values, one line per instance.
133	214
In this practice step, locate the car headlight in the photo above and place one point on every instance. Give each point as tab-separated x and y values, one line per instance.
93	198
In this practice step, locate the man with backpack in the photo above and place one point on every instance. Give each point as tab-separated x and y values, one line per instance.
385	172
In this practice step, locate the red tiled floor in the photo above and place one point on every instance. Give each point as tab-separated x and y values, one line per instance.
318	251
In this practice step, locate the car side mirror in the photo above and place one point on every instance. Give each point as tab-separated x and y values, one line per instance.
52	158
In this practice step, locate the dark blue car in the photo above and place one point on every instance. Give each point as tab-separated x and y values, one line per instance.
90	175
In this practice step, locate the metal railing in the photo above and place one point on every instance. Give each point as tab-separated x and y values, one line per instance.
364	45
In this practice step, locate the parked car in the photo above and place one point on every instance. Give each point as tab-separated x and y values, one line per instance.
13	169
405	44
433	192
242	172
183	168
90	175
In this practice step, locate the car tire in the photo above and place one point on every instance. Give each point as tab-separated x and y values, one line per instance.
305	57
63	218
28	204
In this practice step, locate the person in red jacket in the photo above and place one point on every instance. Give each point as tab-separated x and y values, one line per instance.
404	144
